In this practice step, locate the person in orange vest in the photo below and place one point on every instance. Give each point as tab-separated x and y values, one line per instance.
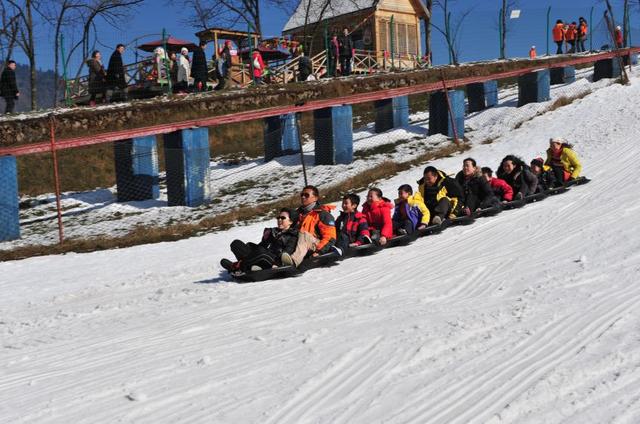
532	52
570	36
558	35
583	30
619	37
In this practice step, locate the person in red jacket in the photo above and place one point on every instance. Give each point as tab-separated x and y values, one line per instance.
351	226
502	190
258	66
619	37
317	229
377	210
558	35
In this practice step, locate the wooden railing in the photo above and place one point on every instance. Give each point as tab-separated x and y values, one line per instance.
141	74
136	74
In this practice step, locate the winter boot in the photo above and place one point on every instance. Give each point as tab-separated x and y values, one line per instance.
286	259
227	264
436	220
240	249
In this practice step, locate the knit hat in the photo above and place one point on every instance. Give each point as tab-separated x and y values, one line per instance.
557	140
184	50
537	162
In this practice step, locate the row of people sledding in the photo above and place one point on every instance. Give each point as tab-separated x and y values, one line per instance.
311	230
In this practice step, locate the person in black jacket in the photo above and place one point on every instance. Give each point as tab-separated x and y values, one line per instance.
305	67
267	253
9	87
199	70
518	175
476	191
346	52
97	78
440	193
115	73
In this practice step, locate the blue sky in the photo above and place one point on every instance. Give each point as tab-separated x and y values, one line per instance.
478	36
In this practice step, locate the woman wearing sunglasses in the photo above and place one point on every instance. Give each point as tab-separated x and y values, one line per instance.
266	254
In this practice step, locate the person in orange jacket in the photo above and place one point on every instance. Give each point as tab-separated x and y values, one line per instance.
570	36
558	35
317	229
619	37
532	52
583	31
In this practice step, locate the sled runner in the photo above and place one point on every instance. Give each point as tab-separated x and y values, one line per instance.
535	197
514	204
363	250
328	259
432	229
264	274
557	190
486	212
577	181
461	220
401	240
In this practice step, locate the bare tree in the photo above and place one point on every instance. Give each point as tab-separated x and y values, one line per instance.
229	13
625	22
24	10
427	31
60	14
505	10
450	30
8	33
204	13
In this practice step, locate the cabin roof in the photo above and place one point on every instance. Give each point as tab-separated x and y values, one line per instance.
335	8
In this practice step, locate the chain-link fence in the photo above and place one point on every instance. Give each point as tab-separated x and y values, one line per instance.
192	181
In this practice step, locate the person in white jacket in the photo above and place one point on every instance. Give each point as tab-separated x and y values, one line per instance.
184	70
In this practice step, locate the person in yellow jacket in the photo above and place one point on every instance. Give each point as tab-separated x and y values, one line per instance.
440	193
563	160
410	213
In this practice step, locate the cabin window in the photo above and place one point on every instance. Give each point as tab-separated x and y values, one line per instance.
404	37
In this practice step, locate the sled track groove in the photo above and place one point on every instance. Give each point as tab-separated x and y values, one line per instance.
522	368
347	373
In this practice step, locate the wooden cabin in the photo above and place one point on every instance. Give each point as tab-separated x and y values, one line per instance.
373	24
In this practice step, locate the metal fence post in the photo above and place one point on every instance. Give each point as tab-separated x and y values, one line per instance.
56	176
451	115
166	61
548	28
591	30
67	91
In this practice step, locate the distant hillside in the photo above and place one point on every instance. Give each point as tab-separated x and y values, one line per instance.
46	88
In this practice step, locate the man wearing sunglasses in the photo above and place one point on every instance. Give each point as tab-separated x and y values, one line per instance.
317	228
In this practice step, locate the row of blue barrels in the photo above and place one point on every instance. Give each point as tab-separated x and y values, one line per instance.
187	154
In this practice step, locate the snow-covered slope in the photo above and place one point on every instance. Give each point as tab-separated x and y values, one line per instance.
530	316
